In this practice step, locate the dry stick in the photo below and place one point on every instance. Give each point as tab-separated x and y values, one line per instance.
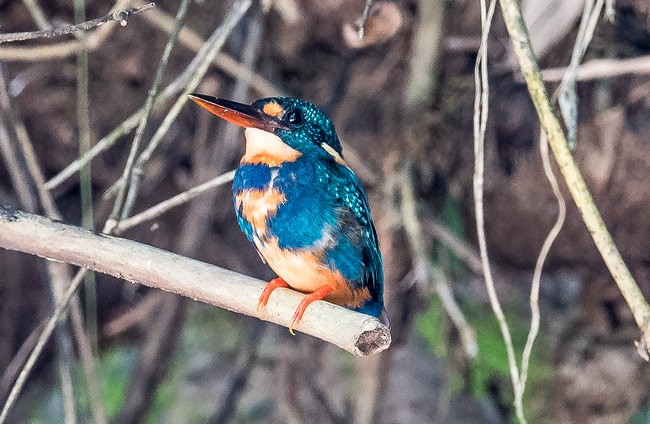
67	390
602	68
357	333
154	359
576	184
65	49
172	202
250	342
86	340
120	15
481	104
61	50
140	313
16	171
121	210
223	61
85	176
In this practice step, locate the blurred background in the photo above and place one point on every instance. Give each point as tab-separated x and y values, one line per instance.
402	102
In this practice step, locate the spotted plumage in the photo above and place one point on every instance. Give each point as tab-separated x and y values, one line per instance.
302	206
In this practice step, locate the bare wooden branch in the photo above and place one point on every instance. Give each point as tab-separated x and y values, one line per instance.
602	68
357	333
121	16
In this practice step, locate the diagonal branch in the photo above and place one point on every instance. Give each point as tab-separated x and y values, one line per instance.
574	181
357	333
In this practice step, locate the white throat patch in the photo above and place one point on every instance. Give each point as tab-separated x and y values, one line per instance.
267	148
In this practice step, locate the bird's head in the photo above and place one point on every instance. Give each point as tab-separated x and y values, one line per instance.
302	128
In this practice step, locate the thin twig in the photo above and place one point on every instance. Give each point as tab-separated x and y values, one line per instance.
175	201
567	96
85	180
67	387
424	59
541	258
355	332
9	152
122	210
154	360
142	312
120	16
63	49
223	61
17	361
576	184
248	354
10	147
37	13
481	105
602	68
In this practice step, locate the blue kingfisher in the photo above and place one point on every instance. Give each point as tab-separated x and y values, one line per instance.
301	205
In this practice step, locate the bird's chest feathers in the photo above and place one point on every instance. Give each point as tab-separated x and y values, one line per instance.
265	148
257	205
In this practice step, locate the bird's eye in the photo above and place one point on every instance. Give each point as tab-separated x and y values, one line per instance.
294	117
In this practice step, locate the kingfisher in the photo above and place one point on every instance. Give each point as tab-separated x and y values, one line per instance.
302	207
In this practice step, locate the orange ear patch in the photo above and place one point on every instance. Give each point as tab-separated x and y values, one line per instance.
273	109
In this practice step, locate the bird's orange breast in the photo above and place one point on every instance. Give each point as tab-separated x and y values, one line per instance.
258	205
305	271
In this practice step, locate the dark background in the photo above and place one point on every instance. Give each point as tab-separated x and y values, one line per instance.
166	359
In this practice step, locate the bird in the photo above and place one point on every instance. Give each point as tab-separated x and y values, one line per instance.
302	206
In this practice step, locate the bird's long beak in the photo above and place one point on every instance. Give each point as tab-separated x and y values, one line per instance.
246	116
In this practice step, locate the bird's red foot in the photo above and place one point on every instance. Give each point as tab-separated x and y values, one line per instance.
302	306
266	293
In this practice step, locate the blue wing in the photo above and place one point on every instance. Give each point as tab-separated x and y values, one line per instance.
357	255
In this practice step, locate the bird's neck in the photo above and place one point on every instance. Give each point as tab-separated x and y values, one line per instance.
265	148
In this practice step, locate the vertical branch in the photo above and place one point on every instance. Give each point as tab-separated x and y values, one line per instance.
142	123
546	247
481	104
85	175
